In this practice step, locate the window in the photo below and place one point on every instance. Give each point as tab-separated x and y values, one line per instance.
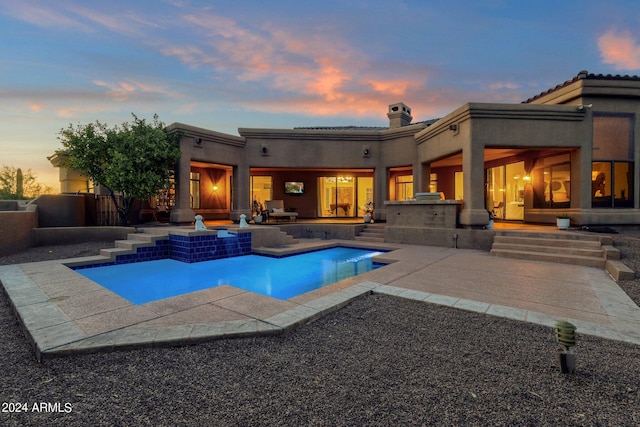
459	186
433	182
336	196
261	189
612	168
195	190
552	182
404	187
612	184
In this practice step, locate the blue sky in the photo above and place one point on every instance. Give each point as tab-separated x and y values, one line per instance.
222	65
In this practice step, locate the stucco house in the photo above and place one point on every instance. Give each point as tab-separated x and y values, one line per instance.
572	149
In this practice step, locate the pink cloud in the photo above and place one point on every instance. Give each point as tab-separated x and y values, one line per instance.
620	49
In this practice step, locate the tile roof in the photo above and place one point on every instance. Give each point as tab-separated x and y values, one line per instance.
584	75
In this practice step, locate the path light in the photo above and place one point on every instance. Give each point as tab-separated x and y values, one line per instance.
566	337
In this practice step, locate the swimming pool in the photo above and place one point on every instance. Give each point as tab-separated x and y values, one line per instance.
281	278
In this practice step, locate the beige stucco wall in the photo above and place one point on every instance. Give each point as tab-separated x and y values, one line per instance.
15	230
376	150
61	210
478	126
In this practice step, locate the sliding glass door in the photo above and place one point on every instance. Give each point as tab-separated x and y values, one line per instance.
505	191
343	196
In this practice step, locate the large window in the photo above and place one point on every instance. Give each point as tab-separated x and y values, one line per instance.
552	182
336	196
404	187
612	167
344	195
505	191
261	189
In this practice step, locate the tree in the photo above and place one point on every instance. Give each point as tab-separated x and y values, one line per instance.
133	159
17	185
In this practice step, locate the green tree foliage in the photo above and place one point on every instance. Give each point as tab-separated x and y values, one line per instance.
134	160
18	185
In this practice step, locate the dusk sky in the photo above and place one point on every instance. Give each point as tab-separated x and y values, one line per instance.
222	65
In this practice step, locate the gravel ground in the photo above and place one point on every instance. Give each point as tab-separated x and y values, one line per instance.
379	361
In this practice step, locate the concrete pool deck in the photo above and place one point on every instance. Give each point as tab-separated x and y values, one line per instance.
63	313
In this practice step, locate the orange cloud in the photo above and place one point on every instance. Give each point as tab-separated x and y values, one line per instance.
620	49
125	90
325	74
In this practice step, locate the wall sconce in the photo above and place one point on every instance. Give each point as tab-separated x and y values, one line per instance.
366	151
526	178
215	188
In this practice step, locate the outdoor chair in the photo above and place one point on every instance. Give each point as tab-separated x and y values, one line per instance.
275	210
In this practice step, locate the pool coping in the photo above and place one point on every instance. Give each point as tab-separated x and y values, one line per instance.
63	313
53	331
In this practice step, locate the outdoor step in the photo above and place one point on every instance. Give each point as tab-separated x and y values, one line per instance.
369	239
595	253
611	252
558	235
287	239
113	252
619	271
372	233
549	257
544	241
145	237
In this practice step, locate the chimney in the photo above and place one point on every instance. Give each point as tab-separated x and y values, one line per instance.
399	115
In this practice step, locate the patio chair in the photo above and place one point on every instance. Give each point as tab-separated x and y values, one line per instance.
275	210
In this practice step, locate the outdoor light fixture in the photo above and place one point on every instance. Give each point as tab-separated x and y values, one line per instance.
583	106
453	127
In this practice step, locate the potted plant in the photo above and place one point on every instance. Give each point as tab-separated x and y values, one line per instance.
368	211
563	221
566	337
492	216
257	208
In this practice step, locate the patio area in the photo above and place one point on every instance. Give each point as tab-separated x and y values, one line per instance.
64	313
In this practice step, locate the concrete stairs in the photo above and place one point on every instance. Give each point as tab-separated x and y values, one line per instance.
373	232
285	239
129	246
592	250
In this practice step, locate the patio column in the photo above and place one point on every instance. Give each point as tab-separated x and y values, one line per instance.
474	213
421	173
380	193
241	193
182	212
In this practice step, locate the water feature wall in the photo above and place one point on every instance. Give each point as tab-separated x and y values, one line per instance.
205	246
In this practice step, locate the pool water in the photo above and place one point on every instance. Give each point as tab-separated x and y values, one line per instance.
281	278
